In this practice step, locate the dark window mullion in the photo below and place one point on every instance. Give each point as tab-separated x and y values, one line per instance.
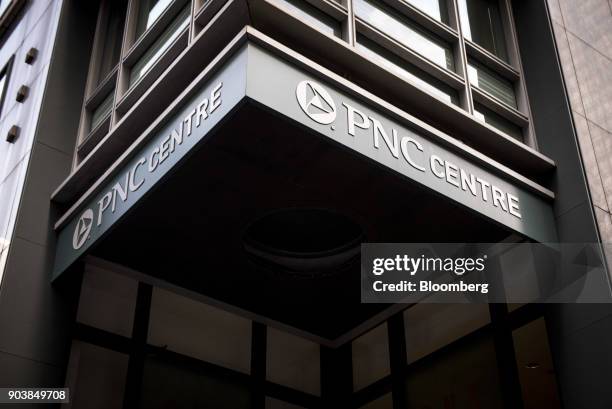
138	351
398	358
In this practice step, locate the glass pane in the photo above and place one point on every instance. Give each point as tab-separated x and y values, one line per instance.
3	76
4	5
384	402
429	327
434	8
404	31
481	22
463	377
100	113
370	357
492	83
160	45
170	383
293	361
148	12
96	377
404	69
272	403
113	36
497	121
535	366
313	16
200	331
107	301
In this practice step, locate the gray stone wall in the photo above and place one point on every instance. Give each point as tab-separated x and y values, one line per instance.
583	31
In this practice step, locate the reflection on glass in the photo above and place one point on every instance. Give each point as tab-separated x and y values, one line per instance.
405	32
481	22
101	112
4	5
272	403
293	361
464	376
148	12
497	121
492	83
370	357
384	402
434	8
98	376
429	327
107	301
173	382
156	50
404	69
313	16
200	331
111	49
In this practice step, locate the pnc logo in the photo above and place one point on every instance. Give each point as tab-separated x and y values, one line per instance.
82	229
316	102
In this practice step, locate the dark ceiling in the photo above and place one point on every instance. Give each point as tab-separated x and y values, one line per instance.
189	231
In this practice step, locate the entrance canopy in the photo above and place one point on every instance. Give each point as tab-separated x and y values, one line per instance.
258	189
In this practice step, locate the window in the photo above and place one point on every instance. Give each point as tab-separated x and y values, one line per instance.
405	32
370	357
200	331
313	16
492	83
272	403
148	12
112	32
170	382
107	301
96	376
436	9
429	327
293	361
481	22
465	376
497	121
163	42
4	81
384	402
404	69
102	111
4	5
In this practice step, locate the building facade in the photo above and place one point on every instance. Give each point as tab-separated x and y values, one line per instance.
186	185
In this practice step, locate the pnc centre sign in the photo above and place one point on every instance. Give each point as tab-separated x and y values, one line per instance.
317	103
351	120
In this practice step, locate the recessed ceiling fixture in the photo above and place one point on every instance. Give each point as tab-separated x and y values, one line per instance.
303	241
532	365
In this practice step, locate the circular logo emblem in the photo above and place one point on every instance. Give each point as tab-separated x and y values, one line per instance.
82	229
316	102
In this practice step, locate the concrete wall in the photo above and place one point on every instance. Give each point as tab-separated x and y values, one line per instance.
583	31
35	317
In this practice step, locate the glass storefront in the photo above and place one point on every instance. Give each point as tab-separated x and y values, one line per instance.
158	348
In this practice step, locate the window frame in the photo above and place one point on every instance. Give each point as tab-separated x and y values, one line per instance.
6	71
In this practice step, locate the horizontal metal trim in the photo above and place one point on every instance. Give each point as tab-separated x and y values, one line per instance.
102	89
511	114
95	135
491	61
